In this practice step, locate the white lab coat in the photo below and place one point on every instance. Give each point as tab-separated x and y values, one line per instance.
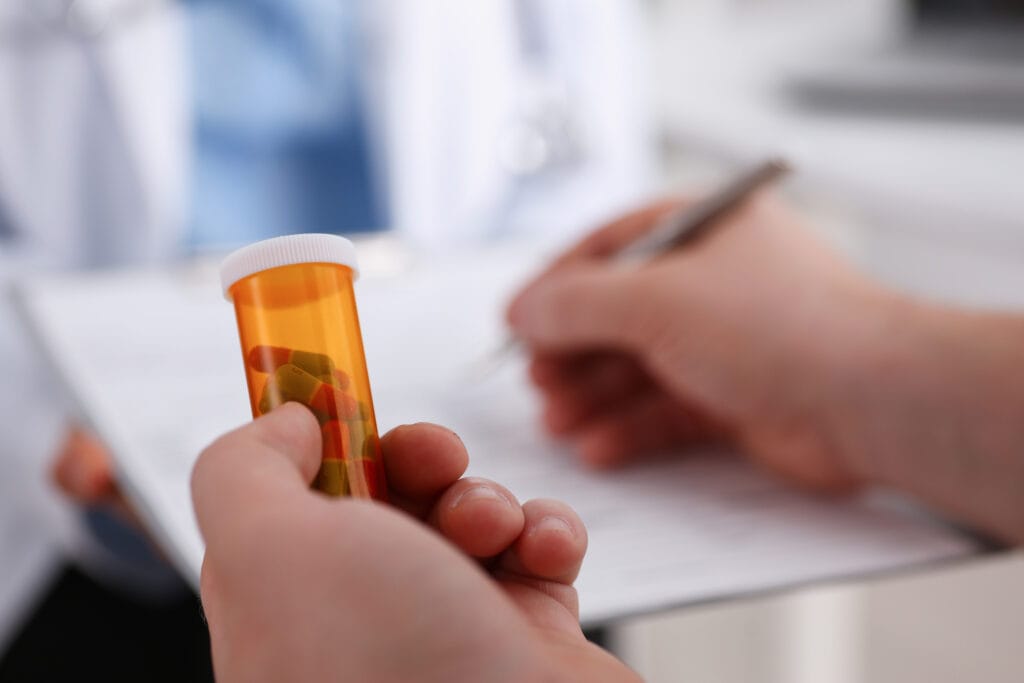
449	87
92	165
94	159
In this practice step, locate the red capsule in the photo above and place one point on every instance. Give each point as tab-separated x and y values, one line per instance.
336	440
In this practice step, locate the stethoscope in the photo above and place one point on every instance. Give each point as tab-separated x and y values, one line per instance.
543	136
40	20
543	140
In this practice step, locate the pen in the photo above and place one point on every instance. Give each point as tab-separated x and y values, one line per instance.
686	225
679	228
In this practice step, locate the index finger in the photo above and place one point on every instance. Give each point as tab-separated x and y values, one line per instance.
421	462
266	462
604	241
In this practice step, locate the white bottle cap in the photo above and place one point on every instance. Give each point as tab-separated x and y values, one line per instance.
286	251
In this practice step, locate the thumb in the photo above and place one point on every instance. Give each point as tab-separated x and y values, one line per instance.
270	460
586	305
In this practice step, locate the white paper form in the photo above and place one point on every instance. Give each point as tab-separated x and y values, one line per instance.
154	361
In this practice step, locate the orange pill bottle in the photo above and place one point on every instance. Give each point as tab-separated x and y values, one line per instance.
297	322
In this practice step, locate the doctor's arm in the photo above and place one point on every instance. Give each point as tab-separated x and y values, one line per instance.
761	337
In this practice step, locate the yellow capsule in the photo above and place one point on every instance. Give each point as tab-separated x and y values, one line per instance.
336	440
265	358
270	398
295	384
361	413
371	447
331	479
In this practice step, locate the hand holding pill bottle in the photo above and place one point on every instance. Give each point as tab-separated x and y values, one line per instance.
297	322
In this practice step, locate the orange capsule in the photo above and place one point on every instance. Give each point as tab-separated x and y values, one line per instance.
336	437
332	402
270	397
295	384
340	379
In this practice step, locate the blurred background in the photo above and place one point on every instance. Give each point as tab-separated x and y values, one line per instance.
151	131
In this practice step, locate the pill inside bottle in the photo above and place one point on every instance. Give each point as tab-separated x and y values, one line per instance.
299	331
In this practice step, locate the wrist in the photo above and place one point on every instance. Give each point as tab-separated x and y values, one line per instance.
834	371
875	346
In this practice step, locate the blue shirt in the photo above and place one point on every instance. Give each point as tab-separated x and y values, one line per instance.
280	134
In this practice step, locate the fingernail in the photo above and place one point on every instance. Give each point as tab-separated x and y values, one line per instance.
555	524
478	493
